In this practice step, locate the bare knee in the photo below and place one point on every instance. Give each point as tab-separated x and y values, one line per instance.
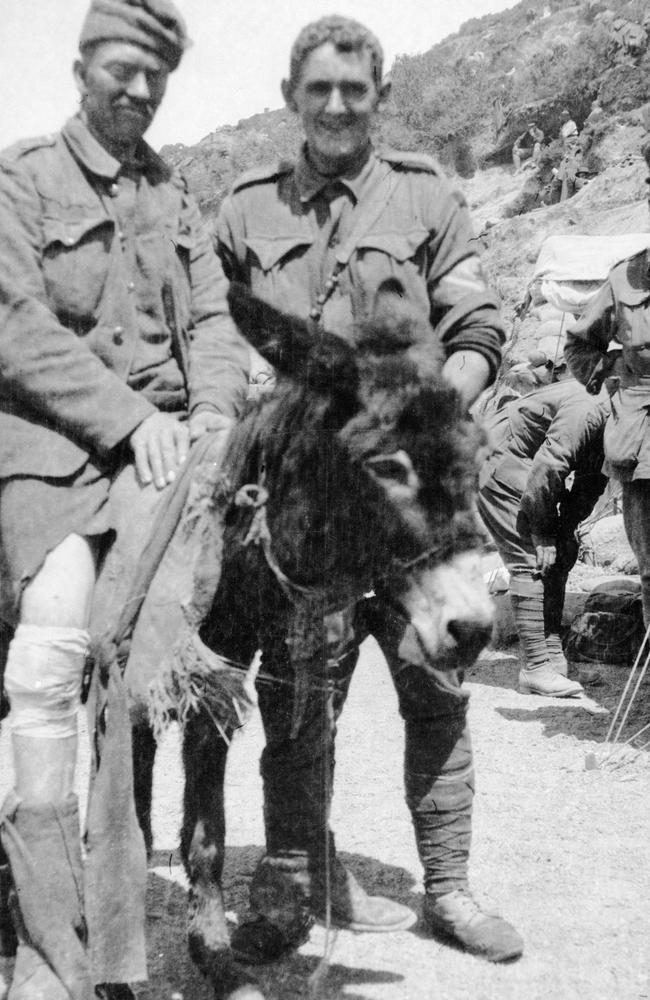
61	592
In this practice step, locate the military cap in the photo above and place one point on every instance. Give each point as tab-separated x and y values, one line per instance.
153	24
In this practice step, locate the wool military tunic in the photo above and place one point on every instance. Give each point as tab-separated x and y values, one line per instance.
620	312
282	229
112	306
111	303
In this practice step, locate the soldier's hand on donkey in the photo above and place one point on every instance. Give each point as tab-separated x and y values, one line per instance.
160	445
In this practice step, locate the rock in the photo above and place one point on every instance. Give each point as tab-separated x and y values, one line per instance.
608	545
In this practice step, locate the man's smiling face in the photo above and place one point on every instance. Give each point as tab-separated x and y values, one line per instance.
336	97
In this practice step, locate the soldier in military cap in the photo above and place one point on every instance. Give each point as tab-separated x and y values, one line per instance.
337	236
116	352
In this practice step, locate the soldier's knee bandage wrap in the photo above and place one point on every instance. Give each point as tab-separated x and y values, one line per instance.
43	680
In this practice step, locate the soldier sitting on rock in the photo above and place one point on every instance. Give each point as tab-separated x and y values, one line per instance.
528	146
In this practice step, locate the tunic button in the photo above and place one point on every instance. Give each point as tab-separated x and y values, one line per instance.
114	190
118	335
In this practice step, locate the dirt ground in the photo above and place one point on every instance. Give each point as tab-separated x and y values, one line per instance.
561	850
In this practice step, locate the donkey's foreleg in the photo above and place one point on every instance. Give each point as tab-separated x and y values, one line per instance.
203	849
144	755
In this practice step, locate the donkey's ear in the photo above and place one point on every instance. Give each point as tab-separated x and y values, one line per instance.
395	324
283	340
298	351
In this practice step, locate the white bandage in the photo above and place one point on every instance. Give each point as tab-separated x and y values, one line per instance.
43	680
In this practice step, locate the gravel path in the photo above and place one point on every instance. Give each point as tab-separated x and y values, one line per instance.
562	851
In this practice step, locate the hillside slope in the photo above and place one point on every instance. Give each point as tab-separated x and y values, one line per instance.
466	99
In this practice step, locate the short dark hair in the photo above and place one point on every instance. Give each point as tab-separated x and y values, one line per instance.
345	34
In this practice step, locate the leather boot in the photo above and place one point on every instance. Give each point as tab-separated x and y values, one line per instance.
44	851
458	916
352	908
546	681
538	675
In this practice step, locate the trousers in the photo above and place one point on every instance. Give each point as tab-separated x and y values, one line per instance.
438	768
500	511
636	517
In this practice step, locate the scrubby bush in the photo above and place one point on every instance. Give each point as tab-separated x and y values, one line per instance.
624	87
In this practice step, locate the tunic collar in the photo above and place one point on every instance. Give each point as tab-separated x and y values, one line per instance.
88	151
310	182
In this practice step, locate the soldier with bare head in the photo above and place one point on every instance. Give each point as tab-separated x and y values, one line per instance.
338	236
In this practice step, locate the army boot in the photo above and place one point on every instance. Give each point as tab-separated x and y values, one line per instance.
458	916
538	674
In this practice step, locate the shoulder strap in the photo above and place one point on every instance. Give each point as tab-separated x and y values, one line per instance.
262	174
376	197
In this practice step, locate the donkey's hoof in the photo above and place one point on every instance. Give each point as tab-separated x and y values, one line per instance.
231	982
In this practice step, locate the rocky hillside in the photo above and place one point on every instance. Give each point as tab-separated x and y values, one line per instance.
465	101
613	202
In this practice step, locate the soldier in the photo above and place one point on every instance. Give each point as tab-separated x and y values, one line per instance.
327	237
568	128
537	442
619	313
117	350
528	145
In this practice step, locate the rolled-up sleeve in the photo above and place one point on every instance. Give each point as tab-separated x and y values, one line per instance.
464	310
589	337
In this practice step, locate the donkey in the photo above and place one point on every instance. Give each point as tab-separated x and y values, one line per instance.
363	466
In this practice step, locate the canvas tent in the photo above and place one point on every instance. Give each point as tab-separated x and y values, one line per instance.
571	269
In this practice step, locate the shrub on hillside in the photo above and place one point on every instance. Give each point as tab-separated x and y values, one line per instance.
624	87
566	70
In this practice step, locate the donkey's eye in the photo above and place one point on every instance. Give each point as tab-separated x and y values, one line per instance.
396	468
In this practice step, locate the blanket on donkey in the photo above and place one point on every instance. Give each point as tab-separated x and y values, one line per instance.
154	589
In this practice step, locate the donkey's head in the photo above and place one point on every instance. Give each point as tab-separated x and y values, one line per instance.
371	468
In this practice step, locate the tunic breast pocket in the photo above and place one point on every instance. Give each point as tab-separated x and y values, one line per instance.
400	256
277	268
75	263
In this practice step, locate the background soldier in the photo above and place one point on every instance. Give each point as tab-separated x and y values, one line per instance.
620	312
537	442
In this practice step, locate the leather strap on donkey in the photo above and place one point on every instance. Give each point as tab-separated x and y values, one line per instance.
374	203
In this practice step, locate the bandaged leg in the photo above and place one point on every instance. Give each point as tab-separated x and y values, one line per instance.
40	823
43	682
